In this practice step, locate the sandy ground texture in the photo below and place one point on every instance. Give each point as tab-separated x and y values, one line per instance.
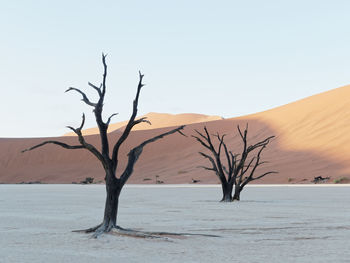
312	139
270	224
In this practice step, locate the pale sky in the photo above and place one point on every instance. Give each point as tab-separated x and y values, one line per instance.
226	58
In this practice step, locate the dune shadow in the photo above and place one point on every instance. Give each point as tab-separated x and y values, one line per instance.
165	158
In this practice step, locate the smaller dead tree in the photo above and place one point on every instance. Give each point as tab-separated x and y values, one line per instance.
233	170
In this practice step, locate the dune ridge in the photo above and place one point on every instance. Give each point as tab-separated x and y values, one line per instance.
158	120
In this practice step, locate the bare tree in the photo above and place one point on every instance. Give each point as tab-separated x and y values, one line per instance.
109	160
233	170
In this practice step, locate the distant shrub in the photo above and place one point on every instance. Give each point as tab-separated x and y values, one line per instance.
341	180
88	180
31	182
158	181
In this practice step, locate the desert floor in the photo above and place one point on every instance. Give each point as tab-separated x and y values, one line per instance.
270	224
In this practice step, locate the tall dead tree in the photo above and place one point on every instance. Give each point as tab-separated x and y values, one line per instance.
233	170
109	160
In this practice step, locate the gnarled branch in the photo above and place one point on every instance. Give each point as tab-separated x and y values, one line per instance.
206	168
200	140
104	74
214	167
64	145
141	120
85	98
83	143
98	89
130	124
110	118
76	130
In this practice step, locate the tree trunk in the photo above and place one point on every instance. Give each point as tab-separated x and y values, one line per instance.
113	190
236	196
227	192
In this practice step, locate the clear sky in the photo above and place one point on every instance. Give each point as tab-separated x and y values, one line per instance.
226	58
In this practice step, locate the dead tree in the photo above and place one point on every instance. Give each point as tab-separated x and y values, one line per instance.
233	170
109	160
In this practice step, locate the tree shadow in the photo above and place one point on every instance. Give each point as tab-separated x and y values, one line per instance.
156	235
119	231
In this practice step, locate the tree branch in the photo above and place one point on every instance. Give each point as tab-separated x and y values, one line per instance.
110	118
217	162
102	126
76	130
257	163
211	160
261	176
206	168
104	74
244	151
209	140
85	98
201	135
141	120
64	145
201	141
229	172
98	89
130	124
84	144
248	166
221	140
260	144
244	137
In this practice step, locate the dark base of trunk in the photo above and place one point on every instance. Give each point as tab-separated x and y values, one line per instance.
109	223
237	195
226	198
226	192
111	208
235	198
99	229
105	227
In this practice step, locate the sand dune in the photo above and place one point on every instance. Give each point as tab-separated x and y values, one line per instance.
158	120
312	139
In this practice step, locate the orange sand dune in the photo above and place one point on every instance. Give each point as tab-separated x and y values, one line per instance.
318	123
312	139
158	120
